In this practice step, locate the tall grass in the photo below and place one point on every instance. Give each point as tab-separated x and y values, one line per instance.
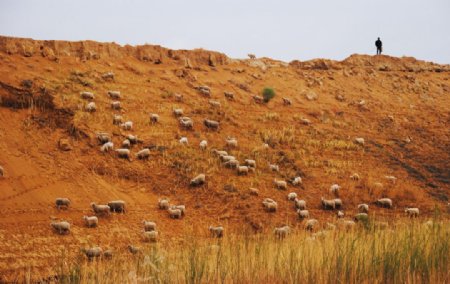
410	253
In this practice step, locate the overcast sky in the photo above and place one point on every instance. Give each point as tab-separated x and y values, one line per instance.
280	29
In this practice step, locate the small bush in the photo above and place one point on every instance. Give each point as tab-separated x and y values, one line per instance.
268	94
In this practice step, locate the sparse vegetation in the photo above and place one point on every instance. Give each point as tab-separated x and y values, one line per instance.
268	94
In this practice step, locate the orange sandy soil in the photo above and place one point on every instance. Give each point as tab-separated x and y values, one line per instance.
34	119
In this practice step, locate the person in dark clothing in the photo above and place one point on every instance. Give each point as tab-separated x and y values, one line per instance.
379	46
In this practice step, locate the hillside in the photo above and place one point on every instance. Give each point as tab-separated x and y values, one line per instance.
400	106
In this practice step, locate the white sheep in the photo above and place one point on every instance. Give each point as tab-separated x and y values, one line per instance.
198	180
287	102
280	184
182	208
229	95
359	141
91	107
384	202
144	154
297	181
216	232
392	179
328	204
174	213
302	214
186	122
231	142
126	144
123	153
265	146
90	221
258	99
214	103
178	112
150	236
227	158
219	153
62	202
270	205
242	170
282	232
340	214
149	226
363	208
232	164
154	118
305	121
211	124
93	252
107	147
183	141
274	168
334	189
292	196
117	206
128	125
203	144
117	119
87	95
178	97
163	203
254	191
114	95
300	204
355	176
311	224
103	137
61	227
412	212
338	203
250	163
132	138
101	209
204	90
115	105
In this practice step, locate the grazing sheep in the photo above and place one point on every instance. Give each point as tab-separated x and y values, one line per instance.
232	164
149	226
150	236
265	146
87	95
117	119
412	212
183	141
182	208
126	144
178	112
61	227
274	168
254	191
114	95
251	56
115	105
280	184
203	144
392	179
227	158
250	163
214	103
133	249
101	209
211	124
204	90
90	221
305	121
328	204
219	153
107	147
282	232
287	102
91	107
355	176
242	170
231	142
123	153
361	217
108	76
178	97
258	99
108	254
229	95
216	232
338	203
132	138
117	206
334	189
174	213
163	203
2	171
198	180
297	181
154	118
359	141
270	205
128	125
340	214
300	204
292	196
384	202
62	202
186	122
92	253
302	214
363	208
144	154
311	224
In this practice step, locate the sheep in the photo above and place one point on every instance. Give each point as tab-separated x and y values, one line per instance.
274	168
178	112
154	118
270	205
198	180
174	213
144	154
128	125
311	224
219	153
334	189
282	232
250	163
214	103
103	137
242	170
359	141
149	226
101	209
361	217
258	99
392	179
178	97
251	56
117	119
254	191
107	147
412	212
133	249
355	176
87	95
265	146
62	202
384	202
297	181
231	142
338	203
2	171
227	158
90	221
211	124
229	95
108	76
300	204
182	208
61	227
305	121
183	141
92	252
91	107
280	184
150	236
204	90
117	206
287	102
186	122
216	232
203	144
340	214
114	95
123	153
115	105
132	138
302	214
163	203
292	196
363	208
328	204
232	164
126	144
108	254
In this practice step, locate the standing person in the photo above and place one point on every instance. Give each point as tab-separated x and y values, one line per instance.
379	46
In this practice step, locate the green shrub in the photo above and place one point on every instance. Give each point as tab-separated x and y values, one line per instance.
268	94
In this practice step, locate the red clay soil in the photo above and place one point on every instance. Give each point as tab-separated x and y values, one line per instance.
400	106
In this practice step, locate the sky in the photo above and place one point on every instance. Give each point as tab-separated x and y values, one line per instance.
280	29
